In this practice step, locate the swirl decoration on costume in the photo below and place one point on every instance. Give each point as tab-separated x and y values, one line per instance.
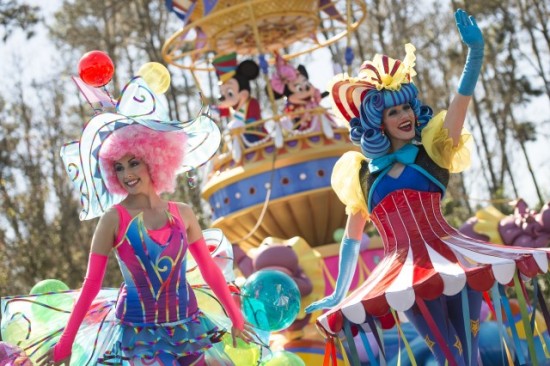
137	105
164	264
143	103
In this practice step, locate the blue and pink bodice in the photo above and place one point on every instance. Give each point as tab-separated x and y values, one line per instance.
153	265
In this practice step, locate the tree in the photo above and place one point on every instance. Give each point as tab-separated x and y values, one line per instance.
40	208
15	16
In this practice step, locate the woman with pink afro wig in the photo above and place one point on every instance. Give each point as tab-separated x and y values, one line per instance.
159	321
162	152
121	164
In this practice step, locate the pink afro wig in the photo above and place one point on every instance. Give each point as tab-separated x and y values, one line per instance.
162	152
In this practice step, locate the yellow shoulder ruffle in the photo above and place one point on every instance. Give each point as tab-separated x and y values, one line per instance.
345	182
439	145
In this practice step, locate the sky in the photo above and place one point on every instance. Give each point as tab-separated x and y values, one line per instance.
37	59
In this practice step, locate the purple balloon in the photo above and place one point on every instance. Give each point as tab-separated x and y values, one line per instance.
365	242
468	230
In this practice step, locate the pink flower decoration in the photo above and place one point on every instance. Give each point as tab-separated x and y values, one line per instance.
284	74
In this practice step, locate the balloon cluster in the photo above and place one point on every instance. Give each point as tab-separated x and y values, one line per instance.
56	298
49	298
524	228
96	69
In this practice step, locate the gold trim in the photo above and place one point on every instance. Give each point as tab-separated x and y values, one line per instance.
179	50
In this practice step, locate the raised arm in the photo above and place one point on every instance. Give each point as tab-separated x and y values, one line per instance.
102	243
472	37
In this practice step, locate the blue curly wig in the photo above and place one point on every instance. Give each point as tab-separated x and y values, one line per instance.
366	130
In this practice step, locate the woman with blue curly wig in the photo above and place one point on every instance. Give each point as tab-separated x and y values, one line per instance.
430	271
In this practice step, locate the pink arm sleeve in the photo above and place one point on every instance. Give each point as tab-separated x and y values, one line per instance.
214	278
97	264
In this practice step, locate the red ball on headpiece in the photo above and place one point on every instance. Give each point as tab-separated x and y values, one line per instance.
96	68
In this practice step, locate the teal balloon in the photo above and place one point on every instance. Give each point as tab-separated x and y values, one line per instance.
270	300
50	295
338	235
283	358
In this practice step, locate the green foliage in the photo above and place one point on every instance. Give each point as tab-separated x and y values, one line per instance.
526	131
40	233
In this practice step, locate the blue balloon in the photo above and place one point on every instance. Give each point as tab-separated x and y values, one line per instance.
270	300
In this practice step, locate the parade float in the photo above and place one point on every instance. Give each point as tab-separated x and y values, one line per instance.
269	185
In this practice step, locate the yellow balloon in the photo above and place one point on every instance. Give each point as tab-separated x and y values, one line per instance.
156	76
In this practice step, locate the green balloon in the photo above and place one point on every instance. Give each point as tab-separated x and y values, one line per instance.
14	329
50	295
244	354
283	358
49	285
338	235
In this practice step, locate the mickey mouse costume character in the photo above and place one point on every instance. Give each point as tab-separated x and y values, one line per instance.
430	271
235	93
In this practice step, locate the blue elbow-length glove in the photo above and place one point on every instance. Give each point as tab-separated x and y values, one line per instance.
472	37
349	252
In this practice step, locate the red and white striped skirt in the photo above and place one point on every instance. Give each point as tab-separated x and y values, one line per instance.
425	257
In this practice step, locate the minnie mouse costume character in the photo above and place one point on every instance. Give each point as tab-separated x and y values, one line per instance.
303	109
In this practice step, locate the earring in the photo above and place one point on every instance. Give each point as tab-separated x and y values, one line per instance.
416	119
382	131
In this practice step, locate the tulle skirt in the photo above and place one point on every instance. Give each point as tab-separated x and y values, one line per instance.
35	323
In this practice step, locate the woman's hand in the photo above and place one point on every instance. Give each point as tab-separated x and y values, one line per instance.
469	31
247	334
325	303
48	359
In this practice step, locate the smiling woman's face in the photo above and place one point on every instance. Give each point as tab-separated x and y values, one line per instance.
132	174
399	123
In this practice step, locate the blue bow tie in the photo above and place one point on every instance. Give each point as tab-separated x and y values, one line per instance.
406	155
